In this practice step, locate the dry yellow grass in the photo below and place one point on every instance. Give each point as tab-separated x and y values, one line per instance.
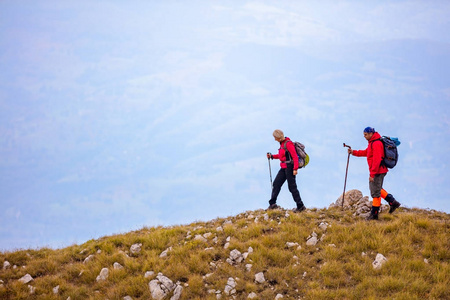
415	242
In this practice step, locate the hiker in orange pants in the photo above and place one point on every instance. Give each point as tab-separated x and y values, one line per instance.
375	153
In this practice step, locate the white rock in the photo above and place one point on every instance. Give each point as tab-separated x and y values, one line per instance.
219	229
117	266
312	241
291	244
149	274
235	257
88	259
165	282
252	295
332	245
250	250
426	261
177	292
104	273
161	287
127	298
323	226
200	238
209	249
379	261
266	217
226	245
26	279
135	248
278	296
207	235
248	267
230	286
156	290
165	252
259	277
56	290
6	265
32	289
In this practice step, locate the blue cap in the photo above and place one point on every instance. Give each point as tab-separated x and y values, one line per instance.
369	130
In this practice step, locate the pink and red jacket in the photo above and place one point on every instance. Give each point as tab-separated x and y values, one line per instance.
374	154
282	155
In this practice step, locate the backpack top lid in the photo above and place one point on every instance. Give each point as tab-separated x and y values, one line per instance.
396	141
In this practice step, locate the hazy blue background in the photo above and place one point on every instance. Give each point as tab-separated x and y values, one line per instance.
116	115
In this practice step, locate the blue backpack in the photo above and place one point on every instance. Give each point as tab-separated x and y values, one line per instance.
390	151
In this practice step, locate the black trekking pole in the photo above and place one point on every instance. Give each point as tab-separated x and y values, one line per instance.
270	171
346	171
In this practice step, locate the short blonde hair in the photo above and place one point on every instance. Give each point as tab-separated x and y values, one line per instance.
278	134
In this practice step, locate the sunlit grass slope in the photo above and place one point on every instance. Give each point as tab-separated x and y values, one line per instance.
415	243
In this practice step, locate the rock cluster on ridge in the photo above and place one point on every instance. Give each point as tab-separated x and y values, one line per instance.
355	201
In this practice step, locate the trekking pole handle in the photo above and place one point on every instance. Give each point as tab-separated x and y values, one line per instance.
345	145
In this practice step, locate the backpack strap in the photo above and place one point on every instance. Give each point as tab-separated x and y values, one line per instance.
384	152
286	153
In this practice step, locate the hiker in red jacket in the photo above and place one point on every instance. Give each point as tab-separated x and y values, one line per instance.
375	154
288	171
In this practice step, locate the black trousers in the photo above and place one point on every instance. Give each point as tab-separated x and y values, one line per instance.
282	176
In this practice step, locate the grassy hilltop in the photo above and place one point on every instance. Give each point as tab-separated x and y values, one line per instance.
415	243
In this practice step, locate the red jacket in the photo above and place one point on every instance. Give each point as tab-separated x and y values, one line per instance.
374	154
282	155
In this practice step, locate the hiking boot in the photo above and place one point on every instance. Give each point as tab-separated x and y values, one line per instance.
273	206
297	210
373	213
395	204
372	217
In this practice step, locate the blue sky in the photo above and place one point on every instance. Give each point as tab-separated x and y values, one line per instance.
118	115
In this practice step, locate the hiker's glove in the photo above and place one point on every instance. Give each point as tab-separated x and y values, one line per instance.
269	155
